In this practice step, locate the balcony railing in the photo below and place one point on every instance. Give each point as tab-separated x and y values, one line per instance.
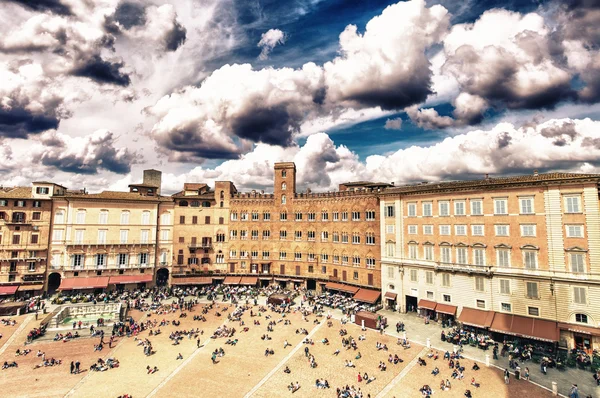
200	245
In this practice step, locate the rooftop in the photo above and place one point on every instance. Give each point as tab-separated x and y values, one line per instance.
114	195
15	192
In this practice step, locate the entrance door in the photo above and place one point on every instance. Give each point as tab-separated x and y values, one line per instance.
344	276
583	342
370	279
53	282
411	304
335	274
232	267
311	284
282	269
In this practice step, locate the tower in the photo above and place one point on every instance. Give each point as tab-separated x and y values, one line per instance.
285	182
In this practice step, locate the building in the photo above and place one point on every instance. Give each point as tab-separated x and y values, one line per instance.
201	230
25	214
317	240
111	238
517	255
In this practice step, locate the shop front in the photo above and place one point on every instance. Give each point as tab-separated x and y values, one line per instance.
390	300
533	335
580	337
446	314
427	308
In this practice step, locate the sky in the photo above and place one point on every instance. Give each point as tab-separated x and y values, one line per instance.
94	92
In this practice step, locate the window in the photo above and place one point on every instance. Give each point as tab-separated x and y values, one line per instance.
324	236
254	234
577	262
57	235
504	286
390	272
355	261
574	231
477	230
533	311
77	260
336	259
324	257
579	295
581	318
427	209
344	259
429	277
311	236
221	220
413	275
266	216
220	237
80	217
446	254
124	217
532	290
19	203
480	303
427	229
355	275
444	208
298	235
476	207
530	259
254	216
446	280
444	229
500	206
505	307
42	190
254	254
283	216
501	230
283	173
181	219
35	239
243	234
461	255
412	252
244	216
79	236
412	209
298	216
336	237
266	234
479	284
430	295
356	216
479	257
503	258
143	258
324	216
572	204
344	237
283	201
412	229
233	234
233	216
59	217
3	202
389	229
336	216
122	259
145	218
206	219
428	252
123	235
282	235
100	260
528	229
459	208
16	239
447	298
344	216
461	230
194	219
526	205
282	255
370	215
283	186
370	237
390	249
389	211
164	234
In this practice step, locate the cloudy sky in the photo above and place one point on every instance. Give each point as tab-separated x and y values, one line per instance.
93	92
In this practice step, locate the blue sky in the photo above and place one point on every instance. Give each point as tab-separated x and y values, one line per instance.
222	89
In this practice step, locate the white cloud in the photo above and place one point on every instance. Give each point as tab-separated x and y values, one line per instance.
393	124
268	41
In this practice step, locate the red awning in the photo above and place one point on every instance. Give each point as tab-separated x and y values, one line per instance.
522	326
430	305
579	329
198	280
367	296
249	280
125	279
232	280
474	317
341	287
26	288
8	290
445	309
390	295
99	282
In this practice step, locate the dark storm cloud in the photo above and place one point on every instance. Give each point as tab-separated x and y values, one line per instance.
175	37
129	14
394	97
18	122
271	125
103	72
567	129
187	145
53	6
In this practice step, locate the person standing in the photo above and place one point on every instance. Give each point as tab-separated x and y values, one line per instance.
506	376
77	364
574	393
495	351
72	367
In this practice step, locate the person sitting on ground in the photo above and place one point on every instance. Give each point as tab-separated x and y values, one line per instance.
473	383
358	356
448	385
179	356
336	352
421	362
468	394
287	370
435	371
475	366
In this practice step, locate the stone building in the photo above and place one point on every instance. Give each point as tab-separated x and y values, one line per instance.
25	214
318	240
516	256
111	238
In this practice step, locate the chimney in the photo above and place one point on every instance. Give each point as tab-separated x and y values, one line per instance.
535	173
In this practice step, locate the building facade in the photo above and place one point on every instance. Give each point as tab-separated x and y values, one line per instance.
526	249
111	238
307	239
25	215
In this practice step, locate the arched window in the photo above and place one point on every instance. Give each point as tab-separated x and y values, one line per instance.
195	203
183	203
581	318
221	204
205	204
283	173
222	195
282	199
283	186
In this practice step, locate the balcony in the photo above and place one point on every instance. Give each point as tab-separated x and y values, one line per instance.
95	243
203	245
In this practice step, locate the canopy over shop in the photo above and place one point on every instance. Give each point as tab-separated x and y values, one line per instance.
192	281
99	282
340	287
367	296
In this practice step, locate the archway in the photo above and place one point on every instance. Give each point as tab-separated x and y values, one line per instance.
162	277
53	282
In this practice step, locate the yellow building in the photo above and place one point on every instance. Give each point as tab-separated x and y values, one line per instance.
519	255
111	238
25	214
318	240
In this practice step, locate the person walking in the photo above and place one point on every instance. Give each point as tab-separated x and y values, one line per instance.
574	393
495	351
506	376
72	367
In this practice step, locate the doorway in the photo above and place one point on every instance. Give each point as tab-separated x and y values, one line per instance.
311	284
162	277
583	342
411	304
53	282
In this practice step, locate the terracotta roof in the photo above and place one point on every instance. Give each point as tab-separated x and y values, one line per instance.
206	195
48	182
15	192
488	182
114	195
